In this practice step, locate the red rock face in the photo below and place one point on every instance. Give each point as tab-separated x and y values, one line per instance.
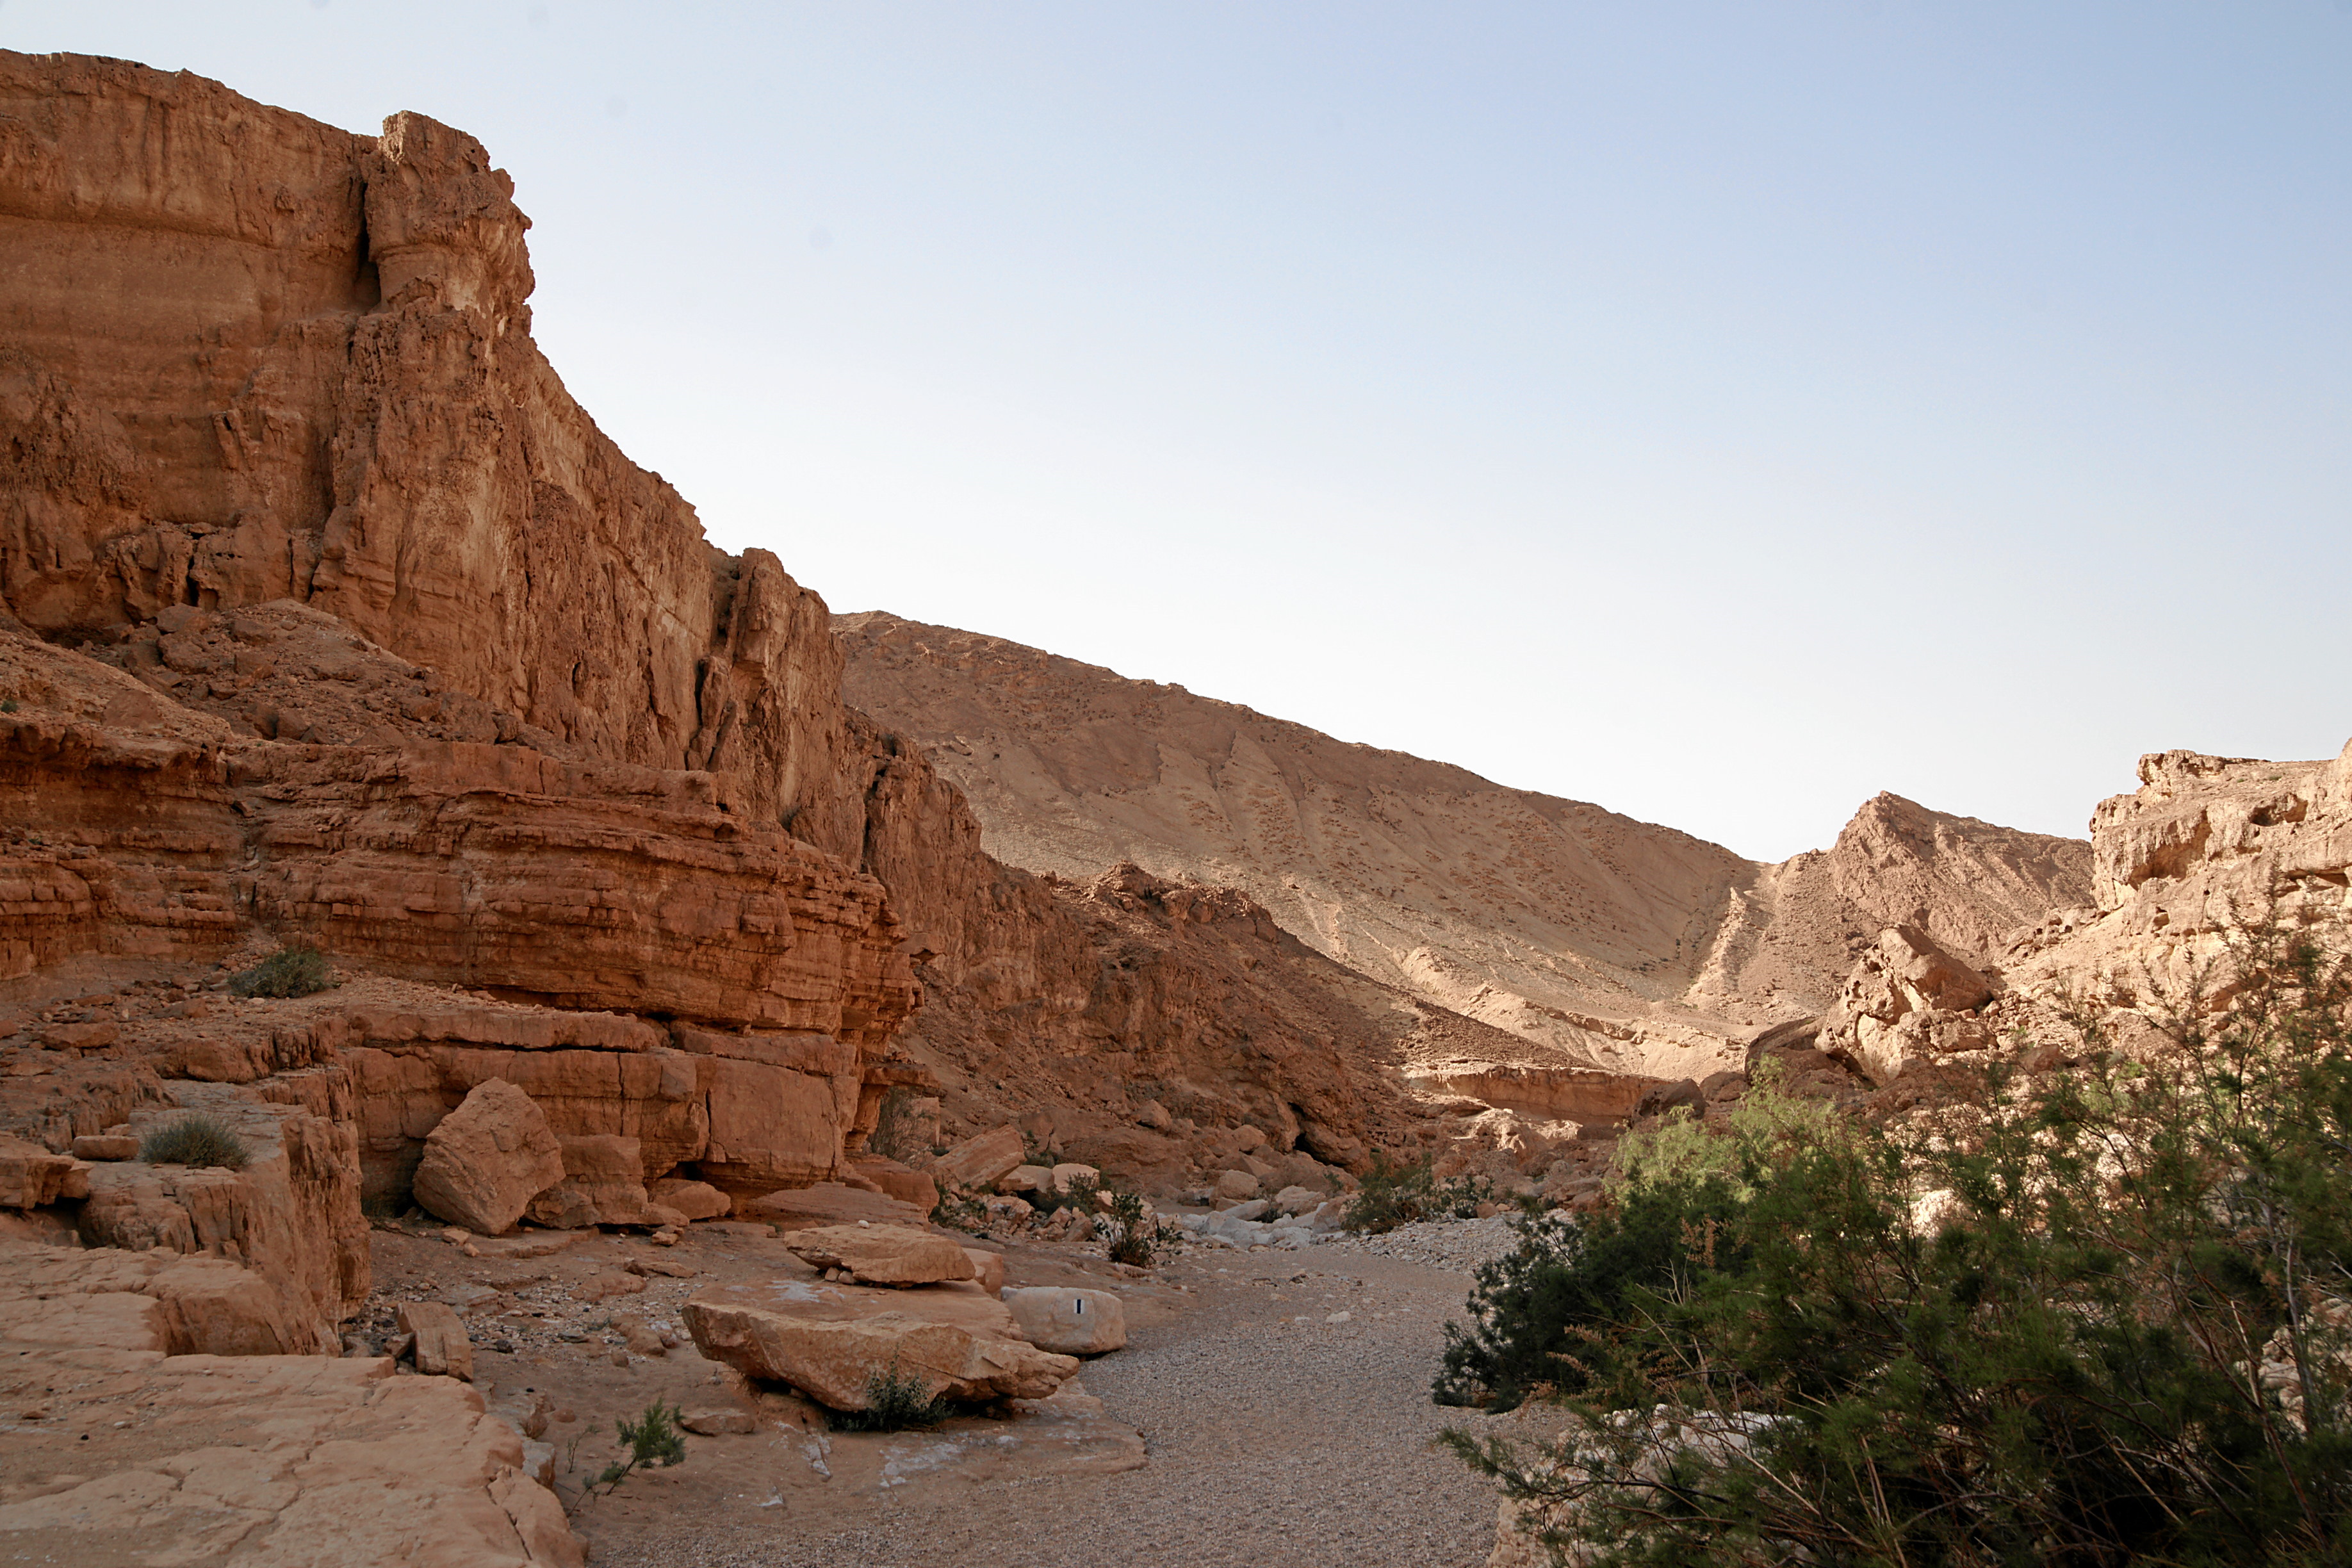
327	616
251	357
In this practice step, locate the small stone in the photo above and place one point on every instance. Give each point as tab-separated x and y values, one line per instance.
107	1146
717	1422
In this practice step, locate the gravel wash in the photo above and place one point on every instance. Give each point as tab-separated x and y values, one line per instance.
1277	1436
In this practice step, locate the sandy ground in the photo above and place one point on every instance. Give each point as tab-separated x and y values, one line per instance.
1273	1434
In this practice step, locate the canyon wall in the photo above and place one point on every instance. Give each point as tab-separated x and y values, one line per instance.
326	616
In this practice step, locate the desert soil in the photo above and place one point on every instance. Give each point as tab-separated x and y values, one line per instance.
1272	1433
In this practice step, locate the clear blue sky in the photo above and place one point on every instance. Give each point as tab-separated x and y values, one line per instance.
1719	412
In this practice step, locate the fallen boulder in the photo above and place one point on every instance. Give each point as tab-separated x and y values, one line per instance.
443	1347
603	1184
1067	1321
882	1253
832	1343
694	1200
977	1163
487	1159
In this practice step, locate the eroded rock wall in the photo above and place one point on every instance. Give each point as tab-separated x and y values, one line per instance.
250	357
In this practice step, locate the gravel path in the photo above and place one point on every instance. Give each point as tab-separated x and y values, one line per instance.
1277	1436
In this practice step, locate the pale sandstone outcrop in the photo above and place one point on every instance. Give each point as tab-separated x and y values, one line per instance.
2204	840
487	1159
31	1176
1907	1000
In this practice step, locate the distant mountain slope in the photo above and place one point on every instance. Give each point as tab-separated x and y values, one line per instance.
1603	938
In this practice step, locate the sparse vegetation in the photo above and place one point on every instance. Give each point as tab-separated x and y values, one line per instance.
1392	1194
289	972
962	1210
895	1401
1077	1194
196	1138
2102	1320
1134	1235
653	1438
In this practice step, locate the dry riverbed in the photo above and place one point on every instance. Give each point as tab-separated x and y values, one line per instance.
1280	1400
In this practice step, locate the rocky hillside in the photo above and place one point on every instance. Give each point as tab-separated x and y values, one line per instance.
1595	937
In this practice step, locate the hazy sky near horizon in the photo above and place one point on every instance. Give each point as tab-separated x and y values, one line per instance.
1721	411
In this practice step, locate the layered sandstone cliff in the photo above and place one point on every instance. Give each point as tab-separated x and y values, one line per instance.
326	616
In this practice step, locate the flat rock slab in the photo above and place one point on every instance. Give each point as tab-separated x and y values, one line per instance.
831	1341
132	1456
882	1254
830	1202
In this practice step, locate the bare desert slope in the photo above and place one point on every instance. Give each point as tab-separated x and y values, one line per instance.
1600	938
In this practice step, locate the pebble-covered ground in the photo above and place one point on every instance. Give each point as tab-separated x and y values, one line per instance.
1457	1244
1288	1418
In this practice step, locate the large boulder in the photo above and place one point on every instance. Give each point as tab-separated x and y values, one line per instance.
882	1253
903	1183
487	1159
831	1344
603	1184
977	1163
694	1200
1068	1321
1908	999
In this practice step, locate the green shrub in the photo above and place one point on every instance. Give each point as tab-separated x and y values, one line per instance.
894	1401
289	972
962	1210
1392	1194
196	1138
1544	1319
652	1438
2125	1339
1134	1235
1078	1195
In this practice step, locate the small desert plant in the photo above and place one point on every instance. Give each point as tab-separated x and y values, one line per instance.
1395	1193
289	972
894	1401
1079	1194
653	1438
1134	1235
897	1132
196	1138
960	1210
